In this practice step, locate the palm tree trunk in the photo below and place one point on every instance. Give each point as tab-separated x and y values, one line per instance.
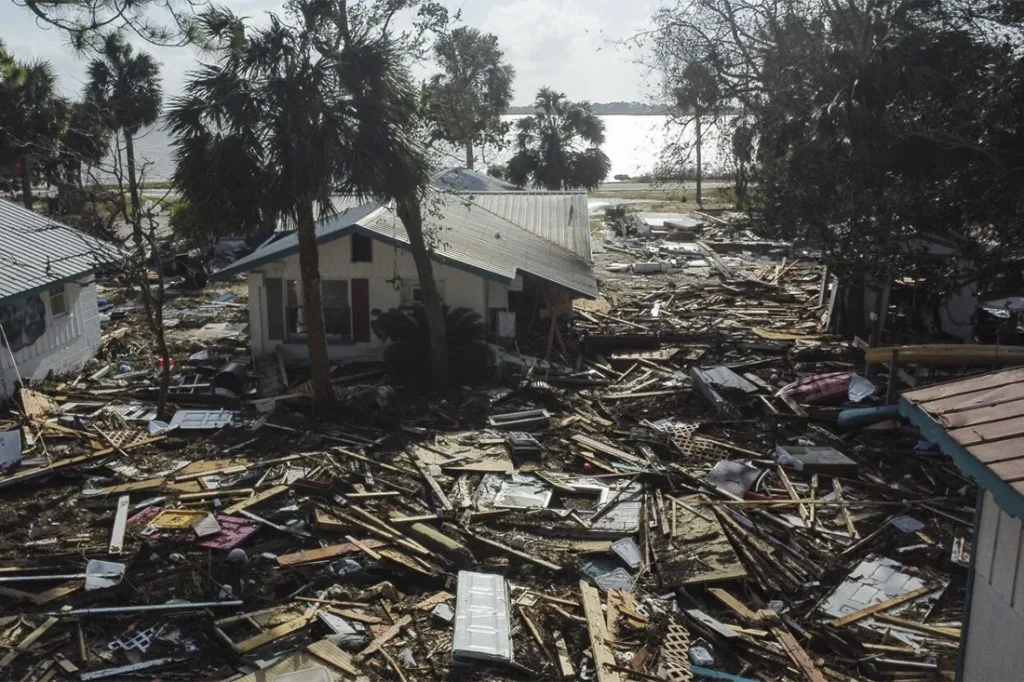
26	182
152	305
316	333
470	159
412	218
700	197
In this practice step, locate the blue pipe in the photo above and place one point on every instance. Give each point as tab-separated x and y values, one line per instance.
863	416
716	675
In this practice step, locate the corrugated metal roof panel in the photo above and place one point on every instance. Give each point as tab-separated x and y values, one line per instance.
463	180
466	233
38	251
560	217
482	629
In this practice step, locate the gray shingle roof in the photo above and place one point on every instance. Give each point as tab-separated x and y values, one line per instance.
36	251
466	236
560	217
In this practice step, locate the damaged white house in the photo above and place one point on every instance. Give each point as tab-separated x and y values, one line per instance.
49	322
503	254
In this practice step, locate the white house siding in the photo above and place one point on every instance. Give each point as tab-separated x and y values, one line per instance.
993	651
68	343
390	266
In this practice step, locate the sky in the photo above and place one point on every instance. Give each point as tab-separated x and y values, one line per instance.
568	45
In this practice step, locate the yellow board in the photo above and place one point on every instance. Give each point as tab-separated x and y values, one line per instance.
177	518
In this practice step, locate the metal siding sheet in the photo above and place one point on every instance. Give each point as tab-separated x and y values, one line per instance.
1007	552
986	538
38	251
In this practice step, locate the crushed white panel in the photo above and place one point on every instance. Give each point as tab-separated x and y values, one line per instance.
523	492
624	516
877	580
482	629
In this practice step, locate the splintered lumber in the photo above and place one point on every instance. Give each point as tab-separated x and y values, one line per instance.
448	546
29	474
373	523
564	662
369	551
881	606
735	604
952	633
798	655
433	600
435	487
296	558
791	491
31	639
597	446
383	638
274	633
837	488
603	657
515	552
256	499
120	521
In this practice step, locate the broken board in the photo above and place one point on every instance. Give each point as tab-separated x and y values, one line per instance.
699	552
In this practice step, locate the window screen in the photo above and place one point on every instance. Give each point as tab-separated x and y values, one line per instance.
337	313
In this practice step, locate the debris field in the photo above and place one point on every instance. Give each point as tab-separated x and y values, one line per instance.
706	486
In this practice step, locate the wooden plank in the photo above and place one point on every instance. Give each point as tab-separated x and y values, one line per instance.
433	600
322	553
383	638
333	655
791	491
257	499
837	488
798	655
515	552
274	633
735	604
603	656
951	633
120	522
31	639
881	606
564	662
135	486
369	551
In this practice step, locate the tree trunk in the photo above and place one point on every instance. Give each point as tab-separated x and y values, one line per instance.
312	301
26	182
412	218
700	197
152	305
470	159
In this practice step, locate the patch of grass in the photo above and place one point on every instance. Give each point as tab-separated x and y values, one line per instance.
596	225
676	201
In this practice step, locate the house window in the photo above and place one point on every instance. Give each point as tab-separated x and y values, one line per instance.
337	310
412	293
362	249
58	301
294	312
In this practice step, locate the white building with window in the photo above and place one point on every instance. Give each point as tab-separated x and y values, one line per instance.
48	311
500	253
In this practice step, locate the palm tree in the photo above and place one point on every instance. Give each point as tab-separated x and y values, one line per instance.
464	102
124	91
124	87
559	146
698	97
293	113
32	116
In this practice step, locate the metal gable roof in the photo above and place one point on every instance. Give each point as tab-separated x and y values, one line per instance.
560	217
37	251
464	180
465	235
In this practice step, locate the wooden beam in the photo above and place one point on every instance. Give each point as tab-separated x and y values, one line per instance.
257	499
798	655
735	604
603	656
515	552
881	606
383	638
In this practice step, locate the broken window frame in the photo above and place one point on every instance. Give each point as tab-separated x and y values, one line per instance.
294	312
58	301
